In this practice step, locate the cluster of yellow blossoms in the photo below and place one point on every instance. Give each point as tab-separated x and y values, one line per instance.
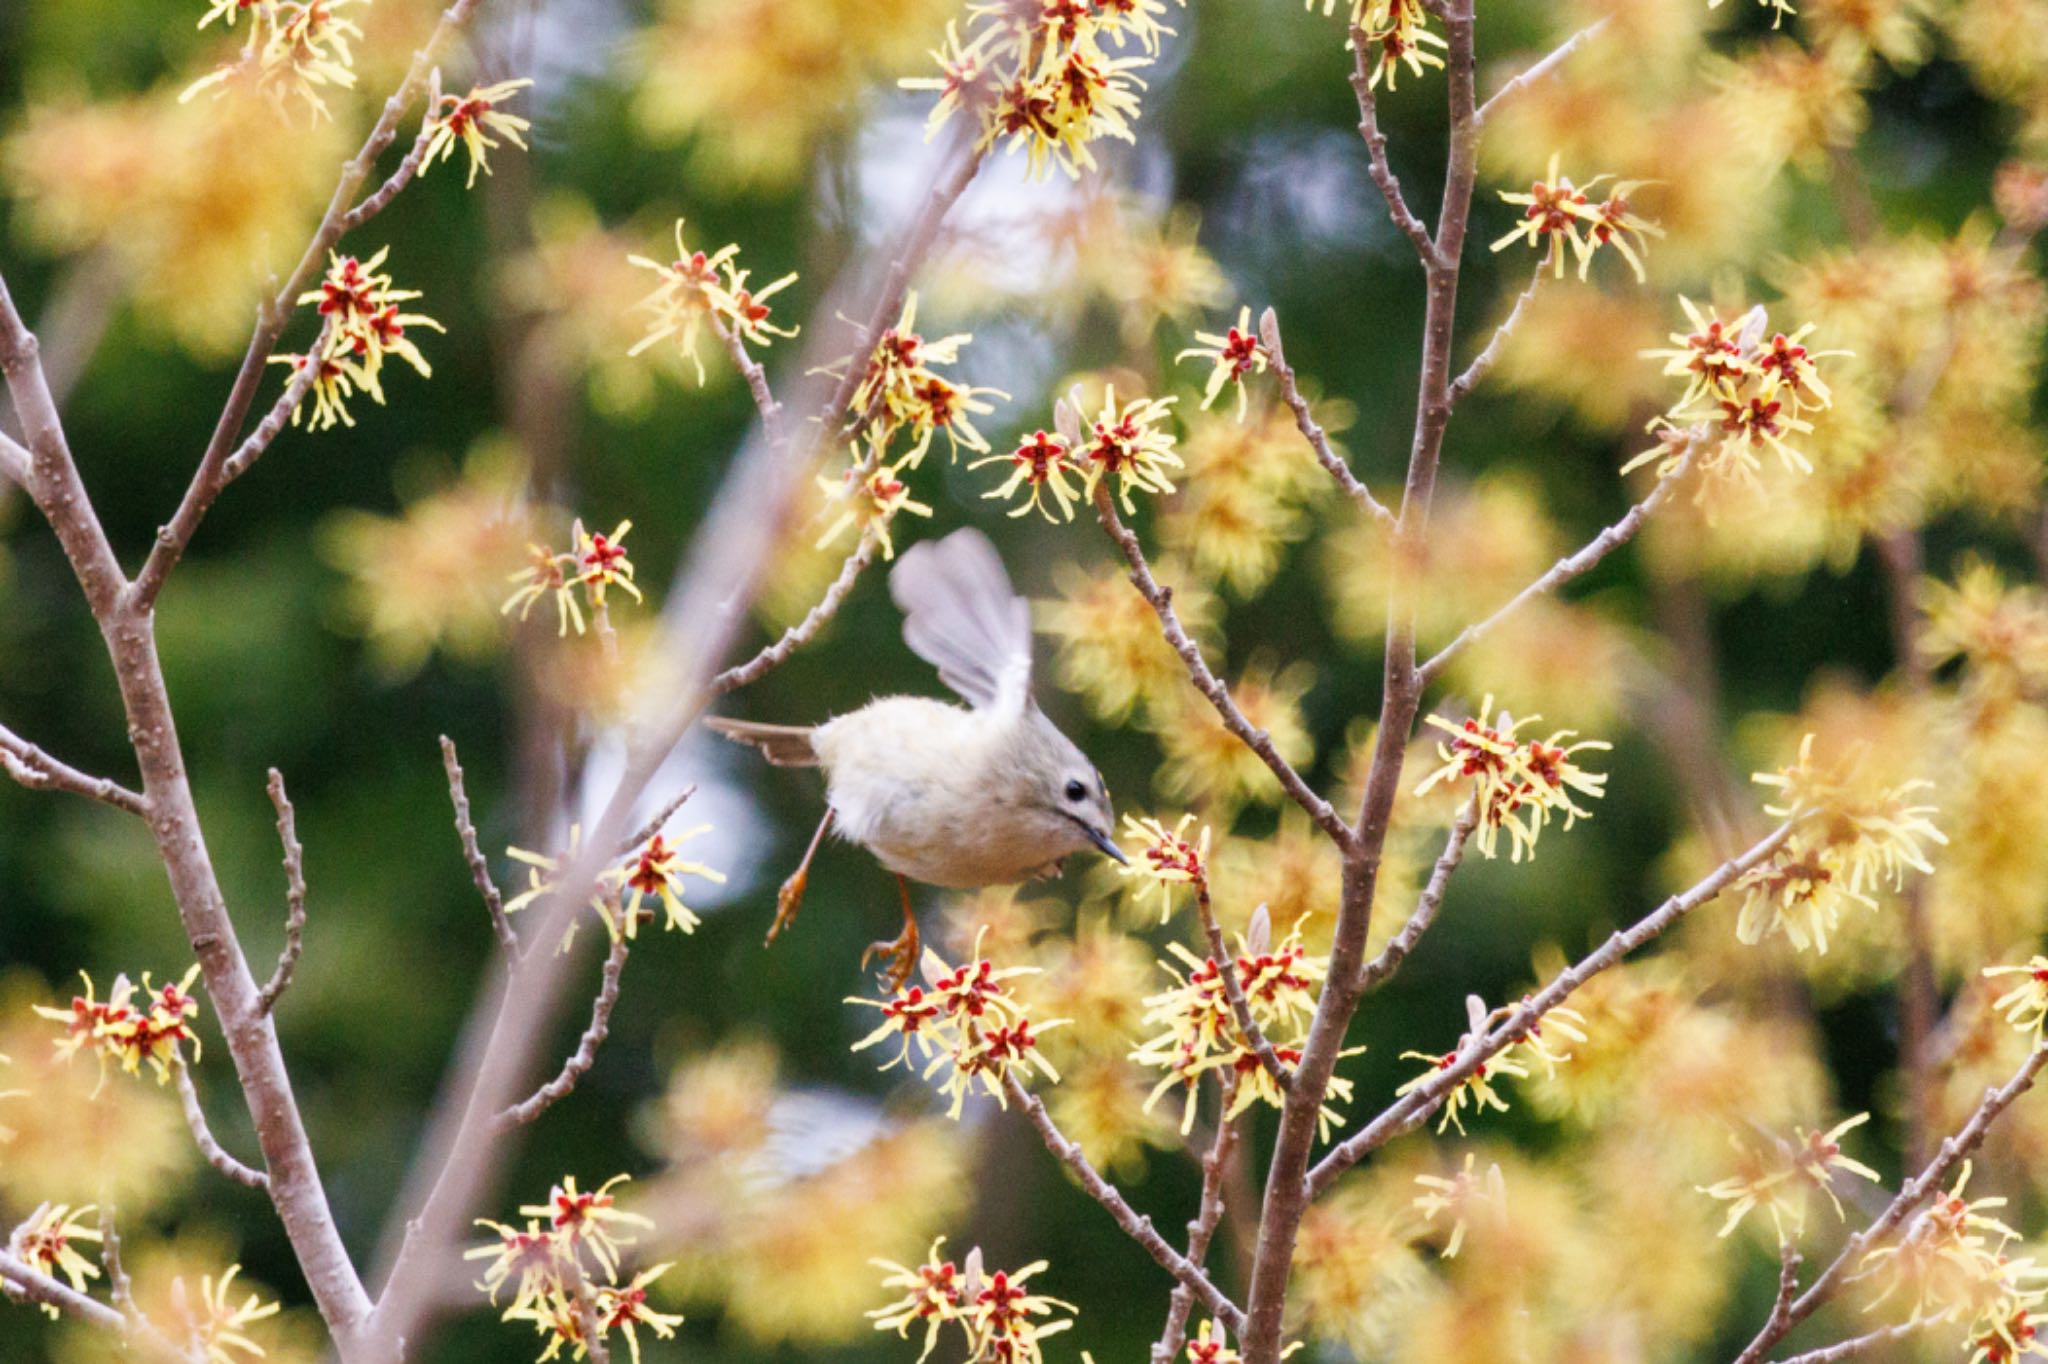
1558	214
1129	441
1003	1320
127	1028
1778	1175
1849	837
1750	389
363	322
965	1022
1037	75
1476	1090
594	562
295	49
695	288
654	871
1397	33
1517	784
552	1262
1951	1263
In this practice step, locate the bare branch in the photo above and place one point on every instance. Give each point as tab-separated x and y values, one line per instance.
1377	971
473	853
1413	1109
1233	990
213	473
653	826
1137	1226
119	1286
1382	170
13	460
1201	1231
1915	1192
1856	1345
1206	682
1573	565
585	1056
1485	360
272	425
37	770
1311	430
757	380
295	896
216	1154
22	1281
1538	71
805	630
408	167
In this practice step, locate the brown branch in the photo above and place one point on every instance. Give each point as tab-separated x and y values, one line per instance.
408	167
1484	362
216	1155
1915	1192
1538	71
213	473
805	630
473	853
14	460
1233	990
1311	430
295	896
37	770
22	1281
1381	169
1856	1345
1377	971
1137	1226
585	1056
757	380
1201	1231
1206	681
273	423
1573	565
119	1286
653	826
1413	1108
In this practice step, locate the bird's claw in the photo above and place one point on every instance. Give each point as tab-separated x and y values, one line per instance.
787	901
901	954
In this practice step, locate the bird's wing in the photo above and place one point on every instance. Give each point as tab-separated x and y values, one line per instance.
961	615
784	745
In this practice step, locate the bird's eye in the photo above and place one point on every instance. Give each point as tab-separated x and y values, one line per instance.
1076	791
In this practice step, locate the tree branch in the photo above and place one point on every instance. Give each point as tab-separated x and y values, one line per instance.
295	896
37	770
38	1287
1849	1349
1206	682
1538	71
473	853
216	1154
1201	1231
213	473
805	630
1483	362
1312	431
1233	990
1915	1192
1377	971
1382	170
585	1055
1573	565
757	380
13	460
408	167
1137	1226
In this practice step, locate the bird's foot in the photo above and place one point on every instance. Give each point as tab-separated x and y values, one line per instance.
901	955
787	901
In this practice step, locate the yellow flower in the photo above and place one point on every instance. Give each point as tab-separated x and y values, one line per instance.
1168	858
48	1242
899	389
625	1308
1004	1318
1517	784
933	1294
1777	1176
601	562
588	1219
365	320
1556	209
128	1030
656	870
2025	1006
1475	1090
1129	443
872	502
1040	464
295	48
470	120
690	291
1459	1195
546	574
1399	29
1236	352
221	1327
533	1261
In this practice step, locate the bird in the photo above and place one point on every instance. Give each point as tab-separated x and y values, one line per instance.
960	796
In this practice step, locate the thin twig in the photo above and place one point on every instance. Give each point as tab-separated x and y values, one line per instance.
652	827
37	770
1484	362
1415	1107
273	423
1856	1345
295	895
1311	430
1381	169
1233	990
473	853
119	1287
401	175
1377	971
805	630
585	1056
757	380
1201	1231
1136	1225
216	1154
1915	1192
1206	681
32	1284
1573	565
1538	71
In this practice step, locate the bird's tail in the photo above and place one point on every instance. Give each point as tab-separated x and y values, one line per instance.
784	745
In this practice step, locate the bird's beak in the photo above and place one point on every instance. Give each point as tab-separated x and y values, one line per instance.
1104	842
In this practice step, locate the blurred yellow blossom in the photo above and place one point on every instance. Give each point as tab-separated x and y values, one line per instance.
1205	762
1110	647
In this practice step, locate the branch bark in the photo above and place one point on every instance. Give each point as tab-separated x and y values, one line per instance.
1311	430
216	1155
1201	1231
295	895
473	853
585	1056
1538	71
1380	969
37	770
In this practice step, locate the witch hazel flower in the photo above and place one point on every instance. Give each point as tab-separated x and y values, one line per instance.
595	562
1779	1175
1131	444
1461	1195
1234	353
468	121
1167	858
657	872
1040	464
1517	784
131	1025
2025	1005
47	1241
899	390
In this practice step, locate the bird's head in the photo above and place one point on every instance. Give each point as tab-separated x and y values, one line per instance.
1066	789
